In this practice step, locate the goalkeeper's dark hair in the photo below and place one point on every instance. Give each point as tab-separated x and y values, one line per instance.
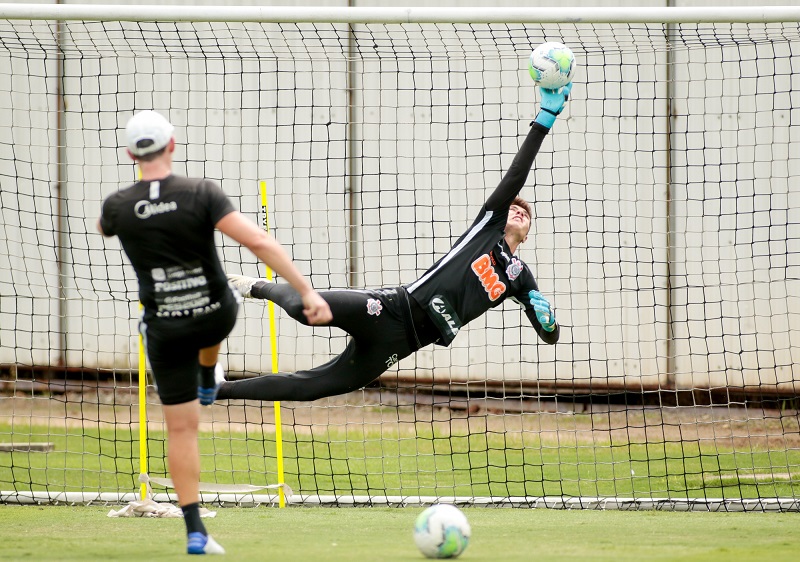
520	202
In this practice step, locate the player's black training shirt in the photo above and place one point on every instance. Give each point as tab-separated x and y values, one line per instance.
479	272
166	228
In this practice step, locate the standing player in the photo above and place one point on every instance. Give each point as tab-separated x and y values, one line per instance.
165	224
478	273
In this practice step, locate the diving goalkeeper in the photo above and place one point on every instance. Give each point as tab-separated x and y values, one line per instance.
386	325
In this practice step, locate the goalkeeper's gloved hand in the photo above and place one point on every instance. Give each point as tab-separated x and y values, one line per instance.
544	314
553	102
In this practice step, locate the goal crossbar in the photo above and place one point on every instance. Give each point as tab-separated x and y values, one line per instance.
324	14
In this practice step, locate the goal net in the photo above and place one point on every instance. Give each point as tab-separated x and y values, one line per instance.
666	234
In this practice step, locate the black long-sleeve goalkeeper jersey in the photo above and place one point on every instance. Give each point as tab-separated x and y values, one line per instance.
479	272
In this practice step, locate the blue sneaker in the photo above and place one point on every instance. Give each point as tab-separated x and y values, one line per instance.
203	544
208	395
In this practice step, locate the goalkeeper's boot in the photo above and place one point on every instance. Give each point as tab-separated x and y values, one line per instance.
208	395
244	284
203	544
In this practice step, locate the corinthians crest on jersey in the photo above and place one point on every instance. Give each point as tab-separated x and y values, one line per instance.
374	307
514	268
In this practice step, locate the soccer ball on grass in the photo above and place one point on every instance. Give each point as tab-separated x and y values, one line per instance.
552	65
442	531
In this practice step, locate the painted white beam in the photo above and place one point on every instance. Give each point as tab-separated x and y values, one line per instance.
318	14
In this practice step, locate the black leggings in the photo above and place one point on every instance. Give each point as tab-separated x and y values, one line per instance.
382	334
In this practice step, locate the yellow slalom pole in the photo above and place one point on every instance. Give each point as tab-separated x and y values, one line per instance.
142	401
273	343
142	414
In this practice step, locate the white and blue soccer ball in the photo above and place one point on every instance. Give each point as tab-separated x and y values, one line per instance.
442	531
552	65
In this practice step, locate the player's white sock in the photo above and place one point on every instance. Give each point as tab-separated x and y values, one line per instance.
219	374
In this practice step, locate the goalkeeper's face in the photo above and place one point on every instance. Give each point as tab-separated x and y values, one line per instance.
519	222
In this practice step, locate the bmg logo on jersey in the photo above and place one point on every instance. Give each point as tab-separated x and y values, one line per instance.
488	277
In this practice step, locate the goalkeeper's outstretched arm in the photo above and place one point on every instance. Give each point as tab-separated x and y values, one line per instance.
553	102
542	318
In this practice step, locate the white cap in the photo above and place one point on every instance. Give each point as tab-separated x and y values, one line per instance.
148	132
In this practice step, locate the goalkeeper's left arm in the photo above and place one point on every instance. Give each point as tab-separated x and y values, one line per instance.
543	318
553	102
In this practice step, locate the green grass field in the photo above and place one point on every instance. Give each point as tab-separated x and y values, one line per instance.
425	463
385	534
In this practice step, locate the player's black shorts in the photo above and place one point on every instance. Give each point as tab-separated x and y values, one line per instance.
173	345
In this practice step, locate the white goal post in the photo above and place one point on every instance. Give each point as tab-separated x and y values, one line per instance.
666	234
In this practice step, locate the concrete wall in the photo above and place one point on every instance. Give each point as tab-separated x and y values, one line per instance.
438	117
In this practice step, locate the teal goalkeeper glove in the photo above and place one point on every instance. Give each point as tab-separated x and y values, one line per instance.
553	102
544	314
